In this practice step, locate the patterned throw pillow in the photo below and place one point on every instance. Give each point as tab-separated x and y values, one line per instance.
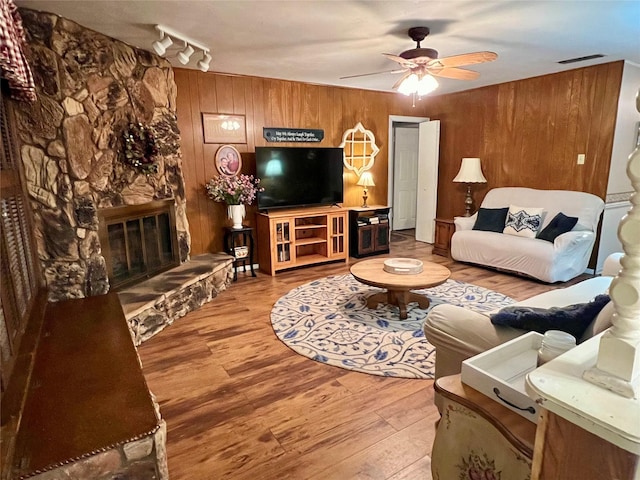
523	221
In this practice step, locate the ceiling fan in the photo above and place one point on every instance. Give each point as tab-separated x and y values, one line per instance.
424	64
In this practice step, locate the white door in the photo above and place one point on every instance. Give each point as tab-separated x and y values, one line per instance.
405	172
427	190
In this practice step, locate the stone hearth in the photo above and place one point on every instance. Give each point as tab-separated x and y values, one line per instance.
152	305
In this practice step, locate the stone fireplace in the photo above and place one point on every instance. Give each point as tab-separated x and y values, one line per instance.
90	88
138	241
101	223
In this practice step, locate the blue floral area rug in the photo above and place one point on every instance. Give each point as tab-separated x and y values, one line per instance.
328	321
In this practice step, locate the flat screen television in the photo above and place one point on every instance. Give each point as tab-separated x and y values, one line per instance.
299	176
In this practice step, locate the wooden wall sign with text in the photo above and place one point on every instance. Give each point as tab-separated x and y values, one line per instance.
292	134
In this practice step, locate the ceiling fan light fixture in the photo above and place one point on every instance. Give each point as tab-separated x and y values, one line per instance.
420	65
409	85
419	85
426	85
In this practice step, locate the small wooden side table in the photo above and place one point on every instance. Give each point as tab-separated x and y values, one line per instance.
369	232
238	242
445	229
478	437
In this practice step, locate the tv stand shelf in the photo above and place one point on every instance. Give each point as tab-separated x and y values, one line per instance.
310	241
295	238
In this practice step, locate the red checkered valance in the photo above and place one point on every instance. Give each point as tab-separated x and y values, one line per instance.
13	64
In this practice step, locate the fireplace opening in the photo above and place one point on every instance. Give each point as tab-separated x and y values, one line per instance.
138	241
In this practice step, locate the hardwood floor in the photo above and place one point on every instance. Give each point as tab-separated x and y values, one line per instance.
240	405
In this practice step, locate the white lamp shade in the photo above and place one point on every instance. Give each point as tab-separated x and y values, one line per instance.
426	85
470	172
366	180
420	85
185	55
160	46
409	85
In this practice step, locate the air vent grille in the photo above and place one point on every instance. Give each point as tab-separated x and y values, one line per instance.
581	59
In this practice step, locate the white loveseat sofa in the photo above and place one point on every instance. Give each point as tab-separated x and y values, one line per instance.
558	261
458	333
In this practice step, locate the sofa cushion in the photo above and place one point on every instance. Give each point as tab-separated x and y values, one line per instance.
491	219
559	224
586	206
573	319
523	221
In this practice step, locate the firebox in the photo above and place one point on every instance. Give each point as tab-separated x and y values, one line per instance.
138	241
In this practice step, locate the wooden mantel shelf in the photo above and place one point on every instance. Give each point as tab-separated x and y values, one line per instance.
87	393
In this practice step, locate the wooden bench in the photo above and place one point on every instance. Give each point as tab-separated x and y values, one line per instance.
88	410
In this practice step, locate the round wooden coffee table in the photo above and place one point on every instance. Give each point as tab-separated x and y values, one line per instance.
371	272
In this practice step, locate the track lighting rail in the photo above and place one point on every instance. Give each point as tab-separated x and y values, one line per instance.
167	38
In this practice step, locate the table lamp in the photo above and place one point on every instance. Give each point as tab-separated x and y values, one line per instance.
470	172
366	180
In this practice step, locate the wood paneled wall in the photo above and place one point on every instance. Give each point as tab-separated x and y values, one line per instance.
272	103
529	133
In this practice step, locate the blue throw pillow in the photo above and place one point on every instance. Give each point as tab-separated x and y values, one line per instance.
491	219
557	226
573	319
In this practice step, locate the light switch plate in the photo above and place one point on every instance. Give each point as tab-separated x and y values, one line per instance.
581	157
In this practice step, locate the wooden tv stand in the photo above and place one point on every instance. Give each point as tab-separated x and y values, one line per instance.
295	238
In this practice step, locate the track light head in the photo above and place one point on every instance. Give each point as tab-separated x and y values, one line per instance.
204	63
185	55
160	46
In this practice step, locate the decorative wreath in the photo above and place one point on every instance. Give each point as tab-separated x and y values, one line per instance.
140	148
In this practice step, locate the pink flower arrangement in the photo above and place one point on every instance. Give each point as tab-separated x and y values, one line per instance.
236	190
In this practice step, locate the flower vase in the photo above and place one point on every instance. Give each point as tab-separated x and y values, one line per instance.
236	214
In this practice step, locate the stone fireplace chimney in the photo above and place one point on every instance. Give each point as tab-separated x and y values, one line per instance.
90	89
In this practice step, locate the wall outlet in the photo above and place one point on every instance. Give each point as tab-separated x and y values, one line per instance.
581	157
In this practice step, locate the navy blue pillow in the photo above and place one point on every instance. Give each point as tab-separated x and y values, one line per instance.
557	226
573	319
491	219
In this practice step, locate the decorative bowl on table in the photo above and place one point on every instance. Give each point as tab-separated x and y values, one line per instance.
403	266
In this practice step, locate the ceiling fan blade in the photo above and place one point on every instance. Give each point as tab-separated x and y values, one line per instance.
456	73
374	73
464	59
402	61
397	84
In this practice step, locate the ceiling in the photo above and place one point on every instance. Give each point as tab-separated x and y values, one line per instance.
318	41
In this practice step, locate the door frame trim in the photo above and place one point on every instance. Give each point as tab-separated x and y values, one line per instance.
391	157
